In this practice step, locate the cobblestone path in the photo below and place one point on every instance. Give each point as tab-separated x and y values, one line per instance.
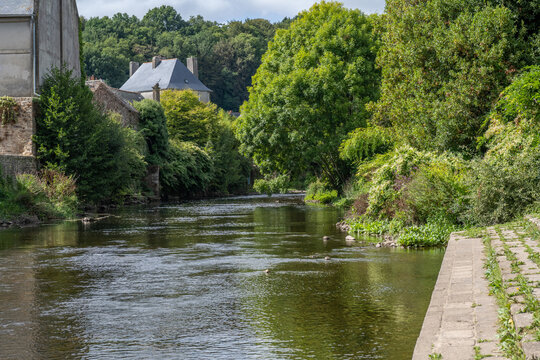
486	300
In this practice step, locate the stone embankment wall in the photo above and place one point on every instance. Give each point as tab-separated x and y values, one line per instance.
12	165
17	150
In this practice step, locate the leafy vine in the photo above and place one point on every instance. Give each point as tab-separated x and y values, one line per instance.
9	109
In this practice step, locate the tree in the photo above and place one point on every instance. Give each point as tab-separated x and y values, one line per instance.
444	63
228	54
188	119
77	138
153	126
310	92
163	18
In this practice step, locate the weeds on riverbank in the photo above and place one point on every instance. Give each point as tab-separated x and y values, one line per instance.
433	233
51	194
508	336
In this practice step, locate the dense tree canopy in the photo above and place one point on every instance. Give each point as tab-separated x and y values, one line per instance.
228	54
444	64
310	91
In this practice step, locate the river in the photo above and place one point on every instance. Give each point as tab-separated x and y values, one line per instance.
188	281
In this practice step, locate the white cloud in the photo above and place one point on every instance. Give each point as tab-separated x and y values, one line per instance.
217	10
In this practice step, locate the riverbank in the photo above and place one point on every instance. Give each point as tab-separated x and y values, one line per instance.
486	300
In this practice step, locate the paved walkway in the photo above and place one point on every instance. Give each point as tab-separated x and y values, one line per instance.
462	321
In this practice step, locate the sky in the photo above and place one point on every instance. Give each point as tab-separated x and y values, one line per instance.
218	10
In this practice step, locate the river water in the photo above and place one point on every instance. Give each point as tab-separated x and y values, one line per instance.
187	281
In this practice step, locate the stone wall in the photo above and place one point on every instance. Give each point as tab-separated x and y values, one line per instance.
16	138
107	98
16	57
11	165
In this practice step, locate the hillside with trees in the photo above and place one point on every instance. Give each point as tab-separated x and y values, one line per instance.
229	54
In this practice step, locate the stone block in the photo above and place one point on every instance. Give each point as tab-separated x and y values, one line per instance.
16	138
531	350
523	320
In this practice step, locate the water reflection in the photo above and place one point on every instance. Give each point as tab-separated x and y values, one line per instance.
186	281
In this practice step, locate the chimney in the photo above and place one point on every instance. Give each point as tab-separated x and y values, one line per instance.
156	60
133	66
193	66
156	95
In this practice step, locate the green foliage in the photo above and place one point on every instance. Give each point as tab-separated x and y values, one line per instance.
231	169
189	171
415	186
188	119
444	63
439	189
310	92
49	195
272	185
320	193
367	226
153	127
211	132
363	144
507	180
8	110
75	137
390	180
435	233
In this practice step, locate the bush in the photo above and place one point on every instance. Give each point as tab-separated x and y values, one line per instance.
231	169
320	193
390	179
504	187
188	119
49	195
375	227
275	185
75	137
507	180
364	143
434	233
438	189
188	172
153	127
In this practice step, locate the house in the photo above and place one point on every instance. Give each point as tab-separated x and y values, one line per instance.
35	36
116	101
168	74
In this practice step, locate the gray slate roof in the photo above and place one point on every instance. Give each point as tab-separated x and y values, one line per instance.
16	7
170	74
128	96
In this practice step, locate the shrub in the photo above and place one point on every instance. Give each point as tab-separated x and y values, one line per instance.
188	119
188	171
434	233
438	189
51	194
8	110
277	184
505	186
153	127
77	138
507	180
319	192
390	179
231	169
364	143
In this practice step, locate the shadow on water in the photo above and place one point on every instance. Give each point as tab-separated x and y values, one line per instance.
187	281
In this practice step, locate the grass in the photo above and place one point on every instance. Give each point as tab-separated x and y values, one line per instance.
432	234
508	336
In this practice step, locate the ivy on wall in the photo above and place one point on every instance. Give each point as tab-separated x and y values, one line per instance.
9	110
